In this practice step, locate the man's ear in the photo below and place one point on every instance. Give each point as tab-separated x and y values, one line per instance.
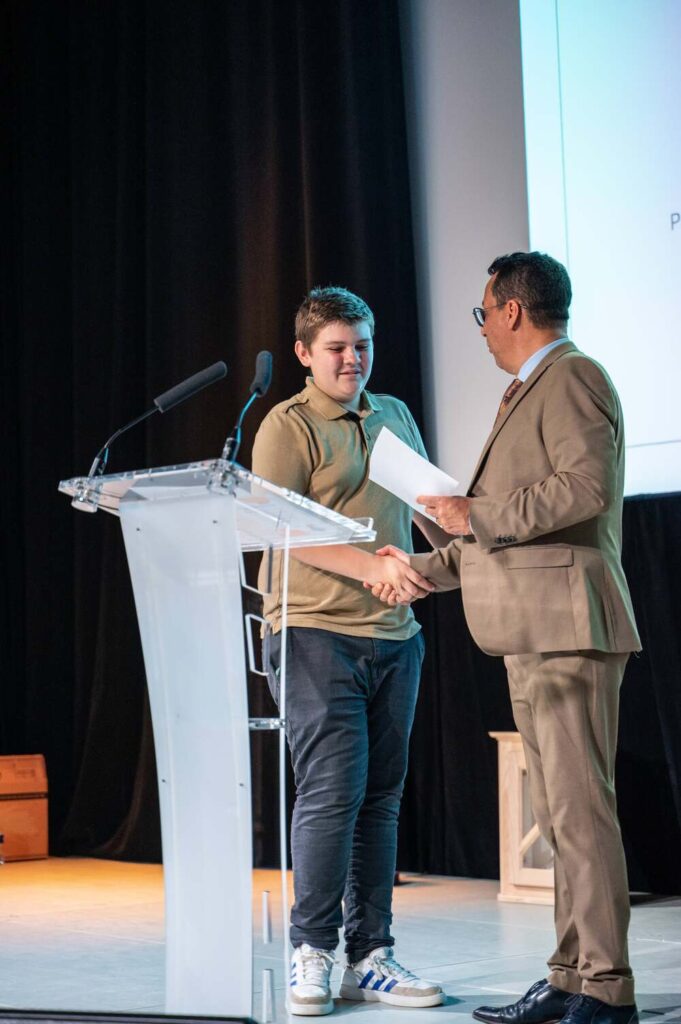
303	352
514	311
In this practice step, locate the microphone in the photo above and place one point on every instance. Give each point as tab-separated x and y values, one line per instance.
168	400
263	374
191	386
258	388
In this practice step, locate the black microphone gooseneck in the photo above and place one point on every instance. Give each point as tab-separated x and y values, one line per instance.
259	387
163	403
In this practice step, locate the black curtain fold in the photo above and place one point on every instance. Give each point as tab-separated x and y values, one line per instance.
649	750
176	174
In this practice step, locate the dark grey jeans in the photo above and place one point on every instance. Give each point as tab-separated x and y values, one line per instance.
349	709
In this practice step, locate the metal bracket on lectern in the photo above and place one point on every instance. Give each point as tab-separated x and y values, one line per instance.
223	477
88	494
249	619
266	724
267	554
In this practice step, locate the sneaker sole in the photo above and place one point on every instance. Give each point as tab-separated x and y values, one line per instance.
309	1009
371	996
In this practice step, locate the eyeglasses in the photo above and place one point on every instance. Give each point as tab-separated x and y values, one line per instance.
480	312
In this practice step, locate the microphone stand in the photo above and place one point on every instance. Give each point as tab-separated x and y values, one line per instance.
85	499
233	442
259	387
98	467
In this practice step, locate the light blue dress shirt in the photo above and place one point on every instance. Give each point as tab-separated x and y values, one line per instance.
535	359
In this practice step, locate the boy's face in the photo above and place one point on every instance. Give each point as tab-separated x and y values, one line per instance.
340	360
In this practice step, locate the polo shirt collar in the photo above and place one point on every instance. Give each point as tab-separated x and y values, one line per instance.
332	410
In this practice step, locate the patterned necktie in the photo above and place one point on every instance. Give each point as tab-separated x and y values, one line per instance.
507	396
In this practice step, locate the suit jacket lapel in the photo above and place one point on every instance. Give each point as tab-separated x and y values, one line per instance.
553	355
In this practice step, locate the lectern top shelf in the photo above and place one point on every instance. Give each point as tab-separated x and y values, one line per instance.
265	513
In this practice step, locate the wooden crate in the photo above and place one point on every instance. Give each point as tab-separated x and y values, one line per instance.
518	832
23	806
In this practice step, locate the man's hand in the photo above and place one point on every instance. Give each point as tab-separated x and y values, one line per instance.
452	514
392	570
386	593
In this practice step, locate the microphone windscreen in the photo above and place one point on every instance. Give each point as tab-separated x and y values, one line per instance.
263	374
190	386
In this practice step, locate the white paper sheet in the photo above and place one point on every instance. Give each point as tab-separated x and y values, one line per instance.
405	473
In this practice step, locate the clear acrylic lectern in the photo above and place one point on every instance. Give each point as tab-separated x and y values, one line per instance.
184	529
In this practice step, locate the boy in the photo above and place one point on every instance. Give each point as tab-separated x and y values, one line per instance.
353	664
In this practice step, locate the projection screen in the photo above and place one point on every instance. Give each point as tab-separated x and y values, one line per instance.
602	101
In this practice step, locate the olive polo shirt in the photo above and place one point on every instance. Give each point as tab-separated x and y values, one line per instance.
313	445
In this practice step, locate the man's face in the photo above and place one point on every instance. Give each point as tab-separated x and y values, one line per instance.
496	328
340	360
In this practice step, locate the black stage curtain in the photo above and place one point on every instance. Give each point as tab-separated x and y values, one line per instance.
177	175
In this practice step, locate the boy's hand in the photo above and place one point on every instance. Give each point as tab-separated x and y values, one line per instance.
393	580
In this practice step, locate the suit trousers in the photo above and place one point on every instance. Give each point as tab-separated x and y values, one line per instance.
566	706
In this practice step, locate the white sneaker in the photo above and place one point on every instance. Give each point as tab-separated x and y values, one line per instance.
309	993
379	978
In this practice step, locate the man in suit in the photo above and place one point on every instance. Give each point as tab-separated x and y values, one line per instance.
537	555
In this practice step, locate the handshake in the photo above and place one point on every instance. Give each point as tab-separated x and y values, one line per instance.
393	580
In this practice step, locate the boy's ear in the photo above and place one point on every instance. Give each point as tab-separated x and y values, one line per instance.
303	353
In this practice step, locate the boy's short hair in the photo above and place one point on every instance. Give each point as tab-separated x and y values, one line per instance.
330	305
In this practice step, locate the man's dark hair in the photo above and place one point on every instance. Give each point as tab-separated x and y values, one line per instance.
330	305
538	282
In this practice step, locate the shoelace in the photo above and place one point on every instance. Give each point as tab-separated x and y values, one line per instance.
530	992
533	990
574	1005
388	965
315	967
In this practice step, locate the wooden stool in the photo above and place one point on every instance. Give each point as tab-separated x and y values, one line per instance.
526	859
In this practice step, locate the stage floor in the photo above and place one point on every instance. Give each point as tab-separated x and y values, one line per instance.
82	934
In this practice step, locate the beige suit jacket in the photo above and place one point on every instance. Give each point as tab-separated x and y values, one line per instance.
542	571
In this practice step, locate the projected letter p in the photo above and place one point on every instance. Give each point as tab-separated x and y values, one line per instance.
675	218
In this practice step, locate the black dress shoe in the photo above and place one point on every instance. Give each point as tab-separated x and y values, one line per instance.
541	1004
589	1010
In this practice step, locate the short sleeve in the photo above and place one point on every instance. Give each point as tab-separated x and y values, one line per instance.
282	451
